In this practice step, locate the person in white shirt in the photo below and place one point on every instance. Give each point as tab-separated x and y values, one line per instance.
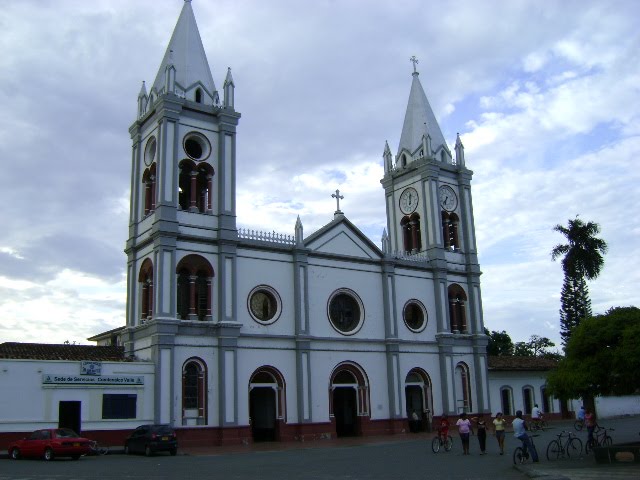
520	432
536	413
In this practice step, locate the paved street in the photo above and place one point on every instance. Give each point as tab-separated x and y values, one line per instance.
404	457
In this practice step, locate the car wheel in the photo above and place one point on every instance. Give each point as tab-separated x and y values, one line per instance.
15	454
173	452
147	451
48	454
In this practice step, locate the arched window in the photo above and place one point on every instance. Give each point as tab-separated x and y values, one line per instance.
403	160
506	400
145	279
149	182
411	235
198	96
457	309
463	388
450	223
195	186
194	279
527	399
547	404
194	392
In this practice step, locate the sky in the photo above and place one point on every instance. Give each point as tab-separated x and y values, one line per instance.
545	95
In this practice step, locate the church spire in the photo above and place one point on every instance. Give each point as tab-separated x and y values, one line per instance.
186	55
420	123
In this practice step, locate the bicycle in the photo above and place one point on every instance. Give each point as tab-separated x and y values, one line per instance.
538	424
441	441
600	439
96	449
578	424
522	456
572	447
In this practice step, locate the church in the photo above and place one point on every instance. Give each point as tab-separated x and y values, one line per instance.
236	335
285	336
291	336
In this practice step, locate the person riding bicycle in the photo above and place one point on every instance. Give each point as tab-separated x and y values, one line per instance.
520	432
443	428
581	414
536	414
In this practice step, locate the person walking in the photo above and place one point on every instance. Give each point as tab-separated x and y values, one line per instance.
464	429
520	432
498	425
481	427
590	423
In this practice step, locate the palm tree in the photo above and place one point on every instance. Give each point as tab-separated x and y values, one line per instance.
582	259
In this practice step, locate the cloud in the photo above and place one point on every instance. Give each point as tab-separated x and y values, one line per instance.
545	101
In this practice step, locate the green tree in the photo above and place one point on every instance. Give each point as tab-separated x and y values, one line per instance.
602	357
575	305
537	346
582	259
500	343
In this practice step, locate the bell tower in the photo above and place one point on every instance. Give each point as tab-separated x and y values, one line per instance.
183	177
427	190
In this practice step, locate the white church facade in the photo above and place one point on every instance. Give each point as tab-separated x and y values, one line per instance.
236	335
269	336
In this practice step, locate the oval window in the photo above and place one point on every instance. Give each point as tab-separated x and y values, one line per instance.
415	316
346	311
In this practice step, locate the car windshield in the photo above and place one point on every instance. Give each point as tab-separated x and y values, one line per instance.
66	433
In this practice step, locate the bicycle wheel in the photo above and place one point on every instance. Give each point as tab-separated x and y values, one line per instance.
435	445
607	442
588	448
103	450
543	424
448	444
578	424
519	457
553	450
574	447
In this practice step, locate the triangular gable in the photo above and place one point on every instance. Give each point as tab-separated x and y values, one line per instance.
341	237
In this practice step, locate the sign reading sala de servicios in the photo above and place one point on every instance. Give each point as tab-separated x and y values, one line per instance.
57	379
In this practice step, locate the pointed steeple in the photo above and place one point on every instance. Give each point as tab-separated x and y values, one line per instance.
459	152
142	100
228	88
386	249
186	54
386	155
299	232
420	124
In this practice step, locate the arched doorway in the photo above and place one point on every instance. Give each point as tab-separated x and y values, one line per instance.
417	390
266	404
349	399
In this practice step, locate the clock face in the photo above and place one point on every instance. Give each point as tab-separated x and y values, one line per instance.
448	198
408	200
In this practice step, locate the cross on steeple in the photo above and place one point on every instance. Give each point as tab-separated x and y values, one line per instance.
414	60
338	197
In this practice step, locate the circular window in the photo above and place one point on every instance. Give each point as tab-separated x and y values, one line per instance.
150	151
264	304
196	146
346	311
415	316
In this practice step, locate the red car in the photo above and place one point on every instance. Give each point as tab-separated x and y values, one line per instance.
50	443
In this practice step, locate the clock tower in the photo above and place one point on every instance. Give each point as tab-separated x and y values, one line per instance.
427	189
